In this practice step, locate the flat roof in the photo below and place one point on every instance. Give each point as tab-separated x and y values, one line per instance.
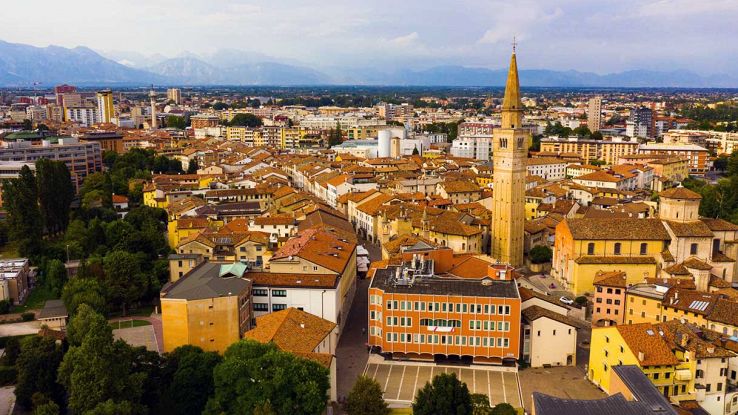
384	279
205	281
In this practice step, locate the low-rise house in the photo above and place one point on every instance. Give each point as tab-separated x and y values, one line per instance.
303	334
209	307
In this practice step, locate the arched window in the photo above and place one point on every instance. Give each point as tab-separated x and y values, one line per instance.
617	248
590	248
644	248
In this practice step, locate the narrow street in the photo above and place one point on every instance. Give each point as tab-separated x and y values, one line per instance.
351	352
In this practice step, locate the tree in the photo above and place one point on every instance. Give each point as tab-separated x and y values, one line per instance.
504	409
55	193
245	120
292	385
596	136
27	125
12	351
415	151
582	131
20	199
174	121
97	191
96	369
540	254
191	384
335	136
365	398
192	167
480	404
37	365
4	306
49	408
124	281
444	395
81	290
56	276
111	407
219	106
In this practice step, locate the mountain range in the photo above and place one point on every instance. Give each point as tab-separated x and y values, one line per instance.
25	65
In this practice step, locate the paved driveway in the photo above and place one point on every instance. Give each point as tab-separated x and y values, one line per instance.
7	399
19	329
400	380
138	336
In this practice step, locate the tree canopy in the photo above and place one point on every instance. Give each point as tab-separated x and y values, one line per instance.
291	385
365	398
245	120
445	394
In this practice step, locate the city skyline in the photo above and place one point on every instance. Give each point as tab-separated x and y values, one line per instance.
601	37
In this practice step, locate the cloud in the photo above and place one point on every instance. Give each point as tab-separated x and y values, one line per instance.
405	40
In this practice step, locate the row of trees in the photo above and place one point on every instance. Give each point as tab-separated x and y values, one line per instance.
37	204
450	128
91	373
445	394
558	130
719	200
721	117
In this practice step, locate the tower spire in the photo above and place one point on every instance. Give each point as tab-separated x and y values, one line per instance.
512	107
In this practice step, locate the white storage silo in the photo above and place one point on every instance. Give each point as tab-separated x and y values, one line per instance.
383	146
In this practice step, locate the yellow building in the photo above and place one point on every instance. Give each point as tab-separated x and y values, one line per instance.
640	345
210	307
105	109
643	303
225	246
683	361
587	245
510	154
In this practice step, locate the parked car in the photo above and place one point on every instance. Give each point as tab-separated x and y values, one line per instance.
566	300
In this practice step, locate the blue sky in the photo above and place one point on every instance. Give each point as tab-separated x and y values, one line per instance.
588	35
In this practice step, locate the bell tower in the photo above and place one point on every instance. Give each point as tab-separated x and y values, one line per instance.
510	152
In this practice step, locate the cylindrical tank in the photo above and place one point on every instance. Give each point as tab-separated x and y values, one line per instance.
383	146
399	132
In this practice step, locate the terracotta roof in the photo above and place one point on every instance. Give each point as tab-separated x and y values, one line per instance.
318	247
718	282
721	257
274	220
615	260
535	312
617	229
645	338
719	224
695	263
689	229
610	279
275	279
725	311
293	331
680	193
460	186
697	302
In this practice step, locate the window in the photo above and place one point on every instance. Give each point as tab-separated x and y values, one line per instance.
260	292
279	293
261	307
644	248
590	248
693	249
616	250
277	307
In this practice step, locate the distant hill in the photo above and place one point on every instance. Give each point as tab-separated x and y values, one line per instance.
193	71
23	65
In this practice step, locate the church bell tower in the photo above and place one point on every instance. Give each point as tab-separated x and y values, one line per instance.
510	152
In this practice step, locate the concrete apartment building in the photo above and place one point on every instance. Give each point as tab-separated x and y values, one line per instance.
14	275
609	150
82	158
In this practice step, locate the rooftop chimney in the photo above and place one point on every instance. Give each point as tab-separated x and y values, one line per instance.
641	356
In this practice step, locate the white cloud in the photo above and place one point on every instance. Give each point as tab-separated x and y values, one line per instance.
405	40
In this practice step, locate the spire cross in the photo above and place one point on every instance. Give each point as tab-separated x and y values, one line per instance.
514	44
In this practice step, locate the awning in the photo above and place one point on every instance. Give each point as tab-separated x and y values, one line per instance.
683	374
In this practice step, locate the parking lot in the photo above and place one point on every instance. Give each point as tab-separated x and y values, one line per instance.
401	380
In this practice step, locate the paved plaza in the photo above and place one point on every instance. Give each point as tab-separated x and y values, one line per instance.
138	336
400	380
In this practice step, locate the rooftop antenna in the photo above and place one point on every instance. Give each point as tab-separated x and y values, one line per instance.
514	44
